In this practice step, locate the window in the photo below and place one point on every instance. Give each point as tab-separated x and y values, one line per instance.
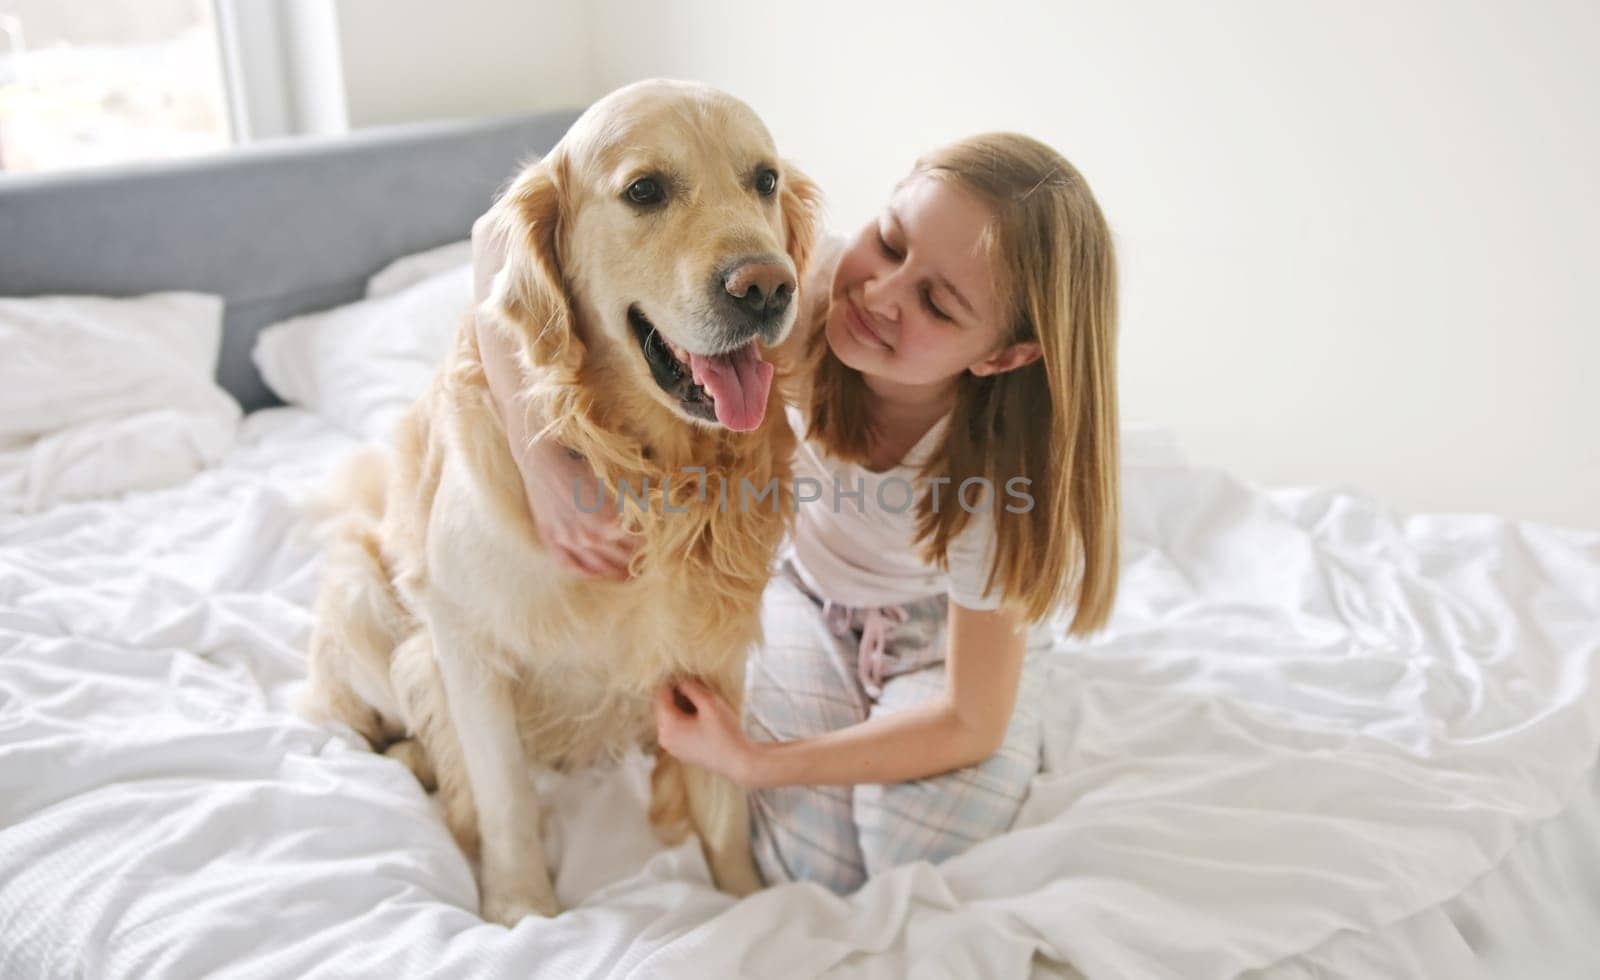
104	81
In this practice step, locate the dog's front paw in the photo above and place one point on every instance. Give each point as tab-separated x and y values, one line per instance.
511	906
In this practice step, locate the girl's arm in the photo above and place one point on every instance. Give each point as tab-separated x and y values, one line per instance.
960	728
584	543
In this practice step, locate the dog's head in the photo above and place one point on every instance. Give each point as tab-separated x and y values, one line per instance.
662	232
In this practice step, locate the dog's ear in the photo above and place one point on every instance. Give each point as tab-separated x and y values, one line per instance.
801	203
529	219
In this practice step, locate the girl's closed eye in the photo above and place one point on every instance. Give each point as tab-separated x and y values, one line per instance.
925	294
883	244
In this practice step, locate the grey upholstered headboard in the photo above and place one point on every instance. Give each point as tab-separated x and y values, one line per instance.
276	230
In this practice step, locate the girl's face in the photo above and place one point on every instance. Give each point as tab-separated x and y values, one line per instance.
914	301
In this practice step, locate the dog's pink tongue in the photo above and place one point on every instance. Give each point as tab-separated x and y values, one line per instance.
739	382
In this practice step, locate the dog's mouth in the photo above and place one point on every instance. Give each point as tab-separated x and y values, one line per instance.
729	388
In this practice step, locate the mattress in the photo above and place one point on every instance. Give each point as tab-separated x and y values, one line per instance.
1319	738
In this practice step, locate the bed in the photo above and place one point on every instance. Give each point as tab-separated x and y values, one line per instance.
1320	738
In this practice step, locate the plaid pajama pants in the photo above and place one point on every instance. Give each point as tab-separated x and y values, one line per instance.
825	666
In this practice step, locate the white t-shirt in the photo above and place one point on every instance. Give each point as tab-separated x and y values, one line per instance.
862	550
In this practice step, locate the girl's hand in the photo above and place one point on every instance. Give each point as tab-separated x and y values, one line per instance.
697	725
584	543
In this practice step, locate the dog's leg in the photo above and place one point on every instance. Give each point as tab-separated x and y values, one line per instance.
719	811
669	800
514	880
356	625
720	814
420	689
328	698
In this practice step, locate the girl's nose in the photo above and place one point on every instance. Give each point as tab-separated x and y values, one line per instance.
877	296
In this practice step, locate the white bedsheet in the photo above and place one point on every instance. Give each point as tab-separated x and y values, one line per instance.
1536	915
1309	719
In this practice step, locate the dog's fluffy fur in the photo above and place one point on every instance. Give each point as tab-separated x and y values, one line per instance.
445	632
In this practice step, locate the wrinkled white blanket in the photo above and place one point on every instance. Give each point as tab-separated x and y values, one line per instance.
1309	715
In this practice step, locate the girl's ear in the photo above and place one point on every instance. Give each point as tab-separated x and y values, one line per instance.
801	202
534	297
1008	359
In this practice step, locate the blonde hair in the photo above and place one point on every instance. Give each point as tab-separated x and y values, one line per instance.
1053	421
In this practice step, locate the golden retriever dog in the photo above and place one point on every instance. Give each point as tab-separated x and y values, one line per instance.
651	267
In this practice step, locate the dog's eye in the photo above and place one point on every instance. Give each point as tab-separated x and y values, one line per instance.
766	182
646	190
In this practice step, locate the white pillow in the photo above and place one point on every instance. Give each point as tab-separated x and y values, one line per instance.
360	366
412	269
99	396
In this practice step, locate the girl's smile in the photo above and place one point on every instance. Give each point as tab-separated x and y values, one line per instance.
855	319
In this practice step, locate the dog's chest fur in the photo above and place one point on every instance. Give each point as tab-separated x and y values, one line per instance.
586	657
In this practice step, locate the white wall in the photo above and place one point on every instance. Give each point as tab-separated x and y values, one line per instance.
1358	240
397	61
421	59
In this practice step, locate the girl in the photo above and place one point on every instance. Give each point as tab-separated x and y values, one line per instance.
960	349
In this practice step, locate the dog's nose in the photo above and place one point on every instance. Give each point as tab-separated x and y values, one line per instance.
762	288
